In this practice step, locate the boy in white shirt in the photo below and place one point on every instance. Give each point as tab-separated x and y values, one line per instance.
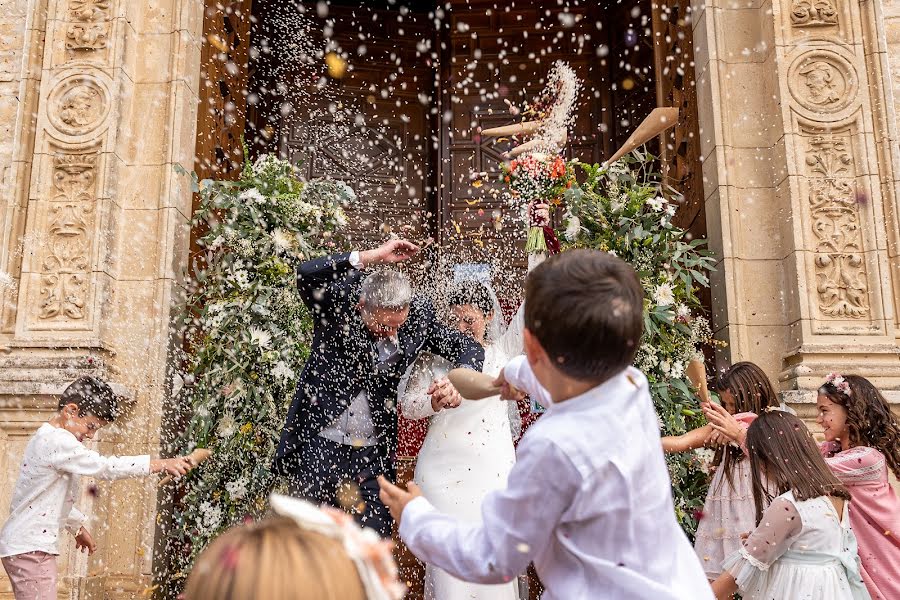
589	500
48	484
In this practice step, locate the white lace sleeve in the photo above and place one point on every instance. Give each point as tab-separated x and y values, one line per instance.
773	536
510	343
415	403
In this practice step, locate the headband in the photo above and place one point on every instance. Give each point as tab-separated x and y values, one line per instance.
838	382
371	554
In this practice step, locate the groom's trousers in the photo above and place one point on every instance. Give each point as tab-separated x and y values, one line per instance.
344	476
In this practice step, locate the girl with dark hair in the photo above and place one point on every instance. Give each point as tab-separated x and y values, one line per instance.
862	441
727	513
802	547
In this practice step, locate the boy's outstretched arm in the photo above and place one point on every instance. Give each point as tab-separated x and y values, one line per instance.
518	374
516	522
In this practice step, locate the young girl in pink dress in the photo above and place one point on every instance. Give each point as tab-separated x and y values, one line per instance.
862	440
728	511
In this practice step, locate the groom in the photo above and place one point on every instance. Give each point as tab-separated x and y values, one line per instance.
341	430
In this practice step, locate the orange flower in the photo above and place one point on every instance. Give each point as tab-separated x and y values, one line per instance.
512	165
558	168
506	179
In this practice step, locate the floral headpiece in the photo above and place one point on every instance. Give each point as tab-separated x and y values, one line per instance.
371	555
838	382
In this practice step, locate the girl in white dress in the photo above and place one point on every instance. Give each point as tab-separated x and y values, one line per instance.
802	547
468	451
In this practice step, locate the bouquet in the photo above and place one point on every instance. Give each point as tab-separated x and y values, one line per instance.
533	179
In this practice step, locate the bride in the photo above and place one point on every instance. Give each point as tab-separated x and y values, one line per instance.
468	451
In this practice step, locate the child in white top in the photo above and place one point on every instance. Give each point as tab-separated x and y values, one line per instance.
43	500
589	500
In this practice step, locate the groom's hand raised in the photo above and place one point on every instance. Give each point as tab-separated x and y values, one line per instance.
396	498
392	251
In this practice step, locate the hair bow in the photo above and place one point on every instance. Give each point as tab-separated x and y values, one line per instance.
371	554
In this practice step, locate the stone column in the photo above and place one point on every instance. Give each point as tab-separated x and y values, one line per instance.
100	99
797	130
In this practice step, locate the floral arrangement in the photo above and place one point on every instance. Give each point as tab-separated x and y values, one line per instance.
623	209
839	383
537	177
249	334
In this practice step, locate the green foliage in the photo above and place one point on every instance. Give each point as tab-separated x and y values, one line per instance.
249	334
623	209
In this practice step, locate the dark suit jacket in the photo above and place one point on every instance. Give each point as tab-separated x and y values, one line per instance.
343	357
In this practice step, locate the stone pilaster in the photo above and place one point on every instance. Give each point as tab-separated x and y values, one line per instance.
95	234
799	173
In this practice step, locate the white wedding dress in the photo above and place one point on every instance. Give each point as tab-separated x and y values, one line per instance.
468	452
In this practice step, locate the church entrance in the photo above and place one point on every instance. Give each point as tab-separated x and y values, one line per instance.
390	98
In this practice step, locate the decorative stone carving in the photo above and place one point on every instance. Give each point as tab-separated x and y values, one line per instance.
823	82
78	105
841	277
813	13
91	24
66	264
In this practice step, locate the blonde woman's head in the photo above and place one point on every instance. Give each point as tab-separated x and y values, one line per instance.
277	560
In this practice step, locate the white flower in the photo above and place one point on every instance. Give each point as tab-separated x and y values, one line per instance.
212	515
252	195
227	427
683	311
241	278
573	228
217	242
657	203
704	458
678	370
664	295
283	240
612	252
671	209
237	489
666	367
260	337
282	371
340	219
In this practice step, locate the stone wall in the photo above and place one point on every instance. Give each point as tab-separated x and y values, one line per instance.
98	102
799	143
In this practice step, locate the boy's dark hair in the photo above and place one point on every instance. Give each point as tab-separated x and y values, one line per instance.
93	396
586	308
471	292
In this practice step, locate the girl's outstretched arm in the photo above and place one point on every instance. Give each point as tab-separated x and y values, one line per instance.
688	441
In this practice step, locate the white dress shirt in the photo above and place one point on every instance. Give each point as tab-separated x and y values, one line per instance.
355	427
589	501
43	500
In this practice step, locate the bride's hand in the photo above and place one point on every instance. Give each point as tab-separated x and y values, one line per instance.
443	395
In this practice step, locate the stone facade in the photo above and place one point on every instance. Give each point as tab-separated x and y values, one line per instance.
800	158
98	102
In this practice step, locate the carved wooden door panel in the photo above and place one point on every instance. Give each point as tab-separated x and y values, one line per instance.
494	56
675	81
369	127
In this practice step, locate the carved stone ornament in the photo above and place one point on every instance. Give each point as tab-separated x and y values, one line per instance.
823	82
841	276
813	13
78	105
90	26
65	267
